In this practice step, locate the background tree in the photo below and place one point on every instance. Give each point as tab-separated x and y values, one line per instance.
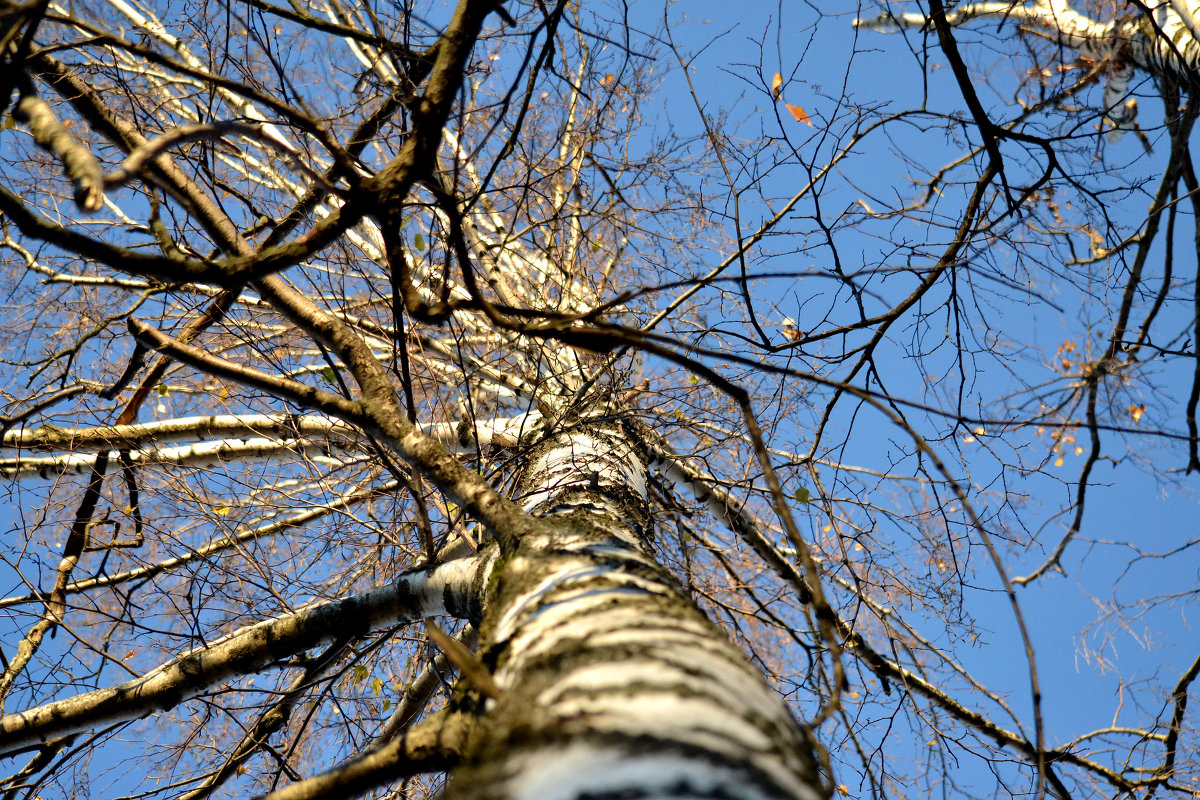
390	383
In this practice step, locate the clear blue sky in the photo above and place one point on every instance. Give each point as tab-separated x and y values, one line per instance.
833	73
1082	664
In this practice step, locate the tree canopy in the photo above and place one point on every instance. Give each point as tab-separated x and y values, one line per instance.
558	398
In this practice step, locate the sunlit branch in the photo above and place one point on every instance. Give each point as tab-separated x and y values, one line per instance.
443	589
434	744
270	721
315	512
205	454
78	162
419	691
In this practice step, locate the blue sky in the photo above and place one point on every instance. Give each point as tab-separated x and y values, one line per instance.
835	74
1091	664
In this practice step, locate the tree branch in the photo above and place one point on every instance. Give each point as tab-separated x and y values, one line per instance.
453	588
437	743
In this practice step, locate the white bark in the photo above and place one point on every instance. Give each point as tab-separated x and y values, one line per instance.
1162	43
248	438
613	683
200	455
451	588
1136	38
179	429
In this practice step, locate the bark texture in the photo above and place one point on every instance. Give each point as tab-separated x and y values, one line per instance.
614	684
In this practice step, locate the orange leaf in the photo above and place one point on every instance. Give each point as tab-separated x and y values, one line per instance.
798	113
777	86
607	79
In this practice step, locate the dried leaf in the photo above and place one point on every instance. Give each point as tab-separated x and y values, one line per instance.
469	665
798	113
777	86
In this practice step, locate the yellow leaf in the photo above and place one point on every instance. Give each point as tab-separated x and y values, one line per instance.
858	546
777	86
1137	411
799	114
854	695
1058	462
221	510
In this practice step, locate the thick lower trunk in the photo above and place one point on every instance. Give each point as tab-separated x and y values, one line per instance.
614	684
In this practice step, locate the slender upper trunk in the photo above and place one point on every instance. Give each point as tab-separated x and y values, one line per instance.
614	684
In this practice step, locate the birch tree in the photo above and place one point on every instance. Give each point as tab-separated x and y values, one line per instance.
433	399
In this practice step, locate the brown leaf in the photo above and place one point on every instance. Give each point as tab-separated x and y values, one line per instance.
777	86
798	113
469	665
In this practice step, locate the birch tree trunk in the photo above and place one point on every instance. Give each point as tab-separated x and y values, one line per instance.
400	397
599	676
613	683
